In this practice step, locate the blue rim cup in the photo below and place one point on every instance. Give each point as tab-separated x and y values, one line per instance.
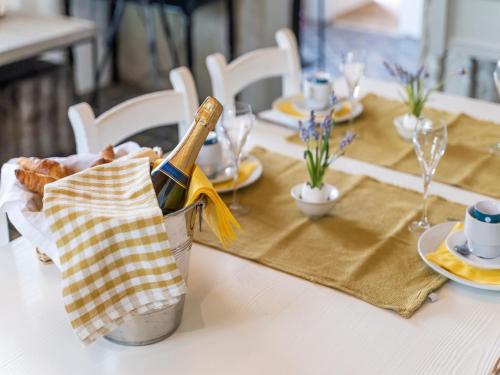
487	211
483	238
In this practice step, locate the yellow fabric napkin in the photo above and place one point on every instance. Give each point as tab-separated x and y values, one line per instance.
218	217
444	258
113	247
246	170
287	107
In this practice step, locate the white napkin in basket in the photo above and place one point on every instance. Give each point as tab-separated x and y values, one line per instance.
24	207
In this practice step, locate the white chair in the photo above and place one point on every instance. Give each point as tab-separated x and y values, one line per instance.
132	116
229	79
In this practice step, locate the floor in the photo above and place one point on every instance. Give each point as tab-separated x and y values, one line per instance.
378	46
372	17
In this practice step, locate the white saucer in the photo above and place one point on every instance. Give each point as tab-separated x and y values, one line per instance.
223	175
250	180
299	105
430	240
457	239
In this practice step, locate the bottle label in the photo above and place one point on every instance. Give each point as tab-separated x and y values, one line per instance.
173	172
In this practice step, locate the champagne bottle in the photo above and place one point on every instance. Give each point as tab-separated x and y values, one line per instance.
171	178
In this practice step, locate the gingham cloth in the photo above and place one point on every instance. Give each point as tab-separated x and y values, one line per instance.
113	246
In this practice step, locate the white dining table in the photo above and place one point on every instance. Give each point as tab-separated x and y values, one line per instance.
244	318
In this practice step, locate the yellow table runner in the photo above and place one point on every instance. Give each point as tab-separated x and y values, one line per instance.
467	162
363	248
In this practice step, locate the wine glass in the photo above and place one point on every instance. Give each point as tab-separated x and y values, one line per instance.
429	142
236	123
496	75
353	68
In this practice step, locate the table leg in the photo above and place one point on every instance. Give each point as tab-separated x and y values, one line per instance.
96	71
69	51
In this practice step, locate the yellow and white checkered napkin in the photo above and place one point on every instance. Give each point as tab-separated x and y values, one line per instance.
113	246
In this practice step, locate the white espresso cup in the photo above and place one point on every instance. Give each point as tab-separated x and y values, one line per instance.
210	156
318	88
483	238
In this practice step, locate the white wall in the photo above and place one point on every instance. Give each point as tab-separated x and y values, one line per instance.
411	18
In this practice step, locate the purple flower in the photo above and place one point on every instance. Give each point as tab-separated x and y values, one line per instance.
311	125
326	124
420	73
314	132
347	140
333	98
304	132
389	69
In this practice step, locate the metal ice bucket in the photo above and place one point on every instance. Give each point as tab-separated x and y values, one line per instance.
145	329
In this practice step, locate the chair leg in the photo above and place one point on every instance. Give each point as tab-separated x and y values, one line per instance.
152	43
111	34
321	33
296	8
168	36
231	29
189	40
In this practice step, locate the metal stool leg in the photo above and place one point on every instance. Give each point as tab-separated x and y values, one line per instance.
189	40
152	43
111	33
168	36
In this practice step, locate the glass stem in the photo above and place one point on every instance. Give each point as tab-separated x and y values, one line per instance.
427	182
351	103
235	180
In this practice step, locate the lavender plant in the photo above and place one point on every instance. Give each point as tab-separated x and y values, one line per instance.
318	154
416	92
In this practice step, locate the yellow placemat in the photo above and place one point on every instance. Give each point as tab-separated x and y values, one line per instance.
362	248
467	162
443	258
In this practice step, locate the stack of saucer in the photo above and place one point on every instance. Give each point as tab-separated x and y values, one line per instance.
468	252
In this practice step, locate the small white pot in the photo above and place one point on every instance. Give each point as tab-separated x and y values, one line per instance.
406	125
314	195
315	210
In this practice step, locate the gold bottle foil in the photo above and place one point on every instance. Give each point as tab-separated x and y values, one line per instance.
185	154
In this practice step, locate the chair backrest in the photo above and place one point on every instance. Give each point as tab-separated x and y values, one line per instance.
229	79
132	116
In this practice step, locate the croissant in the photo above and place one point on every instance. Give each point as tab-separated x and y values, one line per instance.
108	153
47	167
100	162
33	181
